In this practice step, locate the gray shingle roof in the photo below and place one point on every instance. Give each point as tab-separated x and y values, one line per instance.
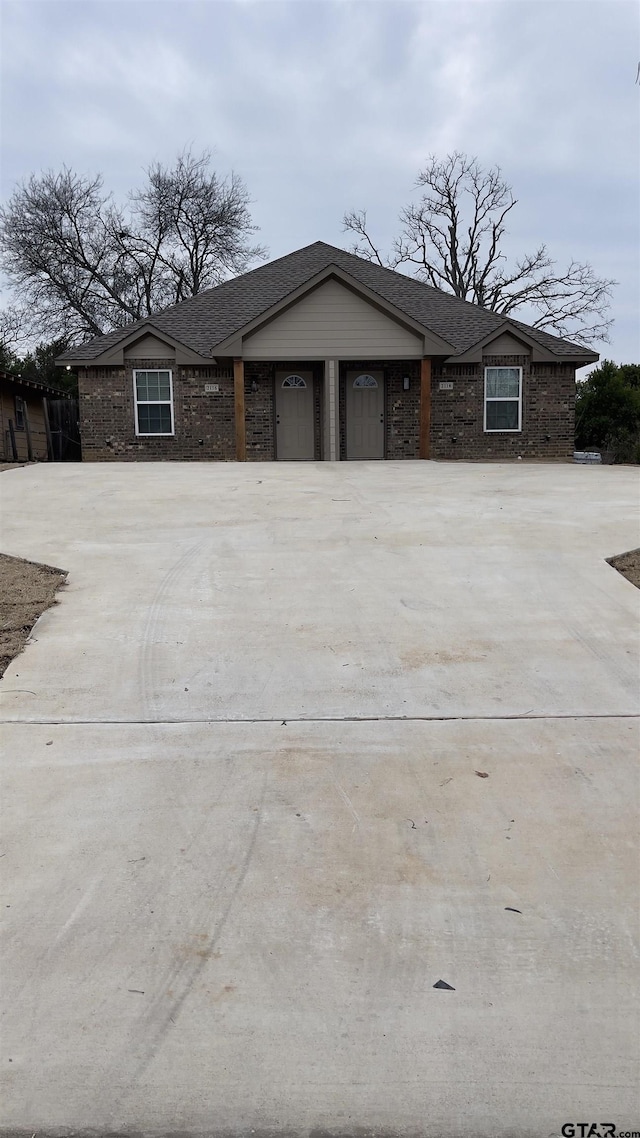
203	321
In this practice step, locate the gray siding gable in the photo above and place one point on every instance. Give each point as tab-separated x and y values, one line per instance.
332	320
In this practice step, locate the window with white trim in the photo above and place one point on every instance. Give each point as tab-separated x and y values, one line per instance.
503	399
153	396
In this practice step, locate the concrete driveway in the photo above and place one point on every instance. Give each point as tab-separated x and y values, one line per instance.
244	831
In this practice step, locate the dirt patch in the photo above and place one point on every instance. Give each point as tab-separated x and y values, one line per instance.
26	590
629	565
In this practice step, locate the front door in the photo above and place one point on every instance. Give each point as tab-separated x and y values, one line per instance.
294	416
365	415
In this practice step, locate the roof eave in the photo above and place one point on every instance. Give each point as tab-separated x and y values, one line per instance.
33	385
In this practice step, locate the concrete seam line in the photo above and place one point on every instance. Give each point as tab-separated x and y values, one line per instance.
324	719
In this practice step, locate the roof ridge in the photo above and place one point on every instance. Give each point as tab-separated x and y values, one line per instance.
211	317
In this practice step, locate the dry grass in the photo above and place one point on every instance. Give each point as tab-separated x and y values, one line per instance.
26	590
629	565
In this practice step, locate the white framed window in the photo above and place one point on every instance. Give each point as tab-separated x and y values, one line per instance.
365	381
153	398
503	399
294	381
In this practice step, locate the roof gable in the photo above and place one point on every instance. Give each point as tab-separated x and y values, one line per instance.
532	340
435	345
115	350
333	320
206	324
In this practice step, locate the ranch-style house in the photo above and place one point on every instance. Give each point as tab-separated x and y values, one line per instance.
321	355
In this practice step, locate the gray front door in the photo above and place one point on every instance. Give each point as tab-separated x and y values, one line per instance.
294	416
365	414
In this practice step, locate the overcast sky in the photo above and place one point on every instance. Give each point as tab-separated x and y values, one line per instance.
326	106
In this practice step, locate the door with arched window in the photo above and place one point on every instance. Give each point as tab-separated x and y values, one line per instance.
294	416
365	414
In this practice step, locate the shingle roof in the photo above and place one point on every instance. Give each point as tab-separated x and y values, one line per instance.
203	321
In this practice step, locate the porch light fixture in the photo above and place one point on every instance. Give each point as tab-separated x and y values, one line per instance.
254	386
406	383
68	367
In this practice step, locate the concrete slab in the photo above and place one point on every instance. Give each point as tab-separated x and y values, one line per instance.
279	590
232	927
240	926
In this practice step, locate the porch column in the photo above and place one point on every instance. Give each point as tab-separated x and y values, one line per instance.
331	447
238	388
425	408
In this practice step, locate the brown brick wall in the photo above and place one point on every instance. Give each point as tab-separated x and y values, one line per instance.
318	393
259	412
204	424
548	409
205	430
402	418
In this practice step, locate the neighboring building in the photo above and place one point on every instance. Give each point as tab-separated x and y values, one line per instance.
23	410
323	355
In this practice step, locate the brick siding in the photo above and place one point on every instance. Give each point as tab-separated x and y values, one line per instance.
205	428
548	411
203	423
259	411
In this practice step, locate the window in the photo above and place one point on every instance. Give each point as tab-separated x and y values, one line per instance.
154	402
19	413
503	398
294	381
365	381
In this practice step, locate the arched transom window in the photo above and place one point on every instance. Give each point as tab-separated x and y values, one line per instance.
365	381
294	381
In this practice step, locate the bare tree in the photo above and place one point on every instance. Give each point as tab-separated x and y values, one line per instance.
80	265
453	236
13	333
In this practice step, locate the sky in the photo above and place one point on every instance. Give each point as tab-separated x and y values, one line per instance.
323	107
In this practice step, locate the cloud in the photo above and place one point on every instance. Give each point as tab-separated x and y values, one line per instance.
324	106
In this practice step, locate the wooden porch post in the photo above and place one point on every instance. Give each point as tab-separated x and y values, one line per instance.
238	387
425	408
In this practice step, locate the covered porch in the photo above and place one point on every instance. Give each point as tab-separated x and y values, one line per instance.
335	409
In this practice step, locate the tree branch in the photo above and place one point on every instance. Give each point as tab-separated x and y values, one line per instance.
453	237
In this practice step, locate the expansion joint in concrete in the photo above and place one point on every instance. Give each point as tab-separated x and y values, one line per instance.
204	720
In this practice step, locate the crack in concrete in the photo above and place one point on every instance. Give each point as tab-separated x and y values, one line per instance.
279	721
